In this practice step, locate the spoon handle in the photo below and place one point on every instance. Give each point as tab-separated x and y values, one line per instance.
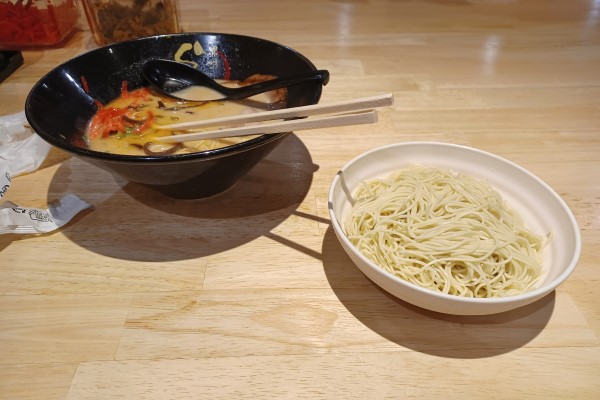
320	76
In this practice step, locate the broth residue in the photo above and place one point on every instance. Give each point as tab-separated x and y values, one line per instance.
129	123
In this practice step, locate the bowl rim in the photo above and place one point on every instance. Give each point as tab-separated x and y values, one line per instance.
146	159
519	298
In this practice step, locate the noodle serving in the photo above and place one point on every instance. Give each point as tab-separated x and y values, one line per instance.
446	232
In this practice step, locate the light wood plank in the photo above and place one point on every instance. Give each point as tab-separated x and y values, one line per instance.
36	381
238	323
61	329
364	375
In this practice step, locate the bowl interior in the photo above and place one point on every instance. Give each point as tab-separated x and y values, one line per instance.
542	210
59	106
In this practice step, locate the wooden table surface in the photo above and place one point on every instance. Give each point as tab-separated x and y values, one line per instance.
250	295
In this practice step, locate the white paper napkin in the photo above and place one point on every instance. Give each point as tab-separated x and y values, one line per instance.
22	151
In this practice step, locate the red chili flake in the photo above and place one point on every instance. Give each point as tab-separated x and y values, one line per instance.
226	66
84	83
124	92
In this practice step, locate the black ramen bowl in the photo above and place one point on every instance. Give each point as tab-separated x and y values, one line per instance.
60	105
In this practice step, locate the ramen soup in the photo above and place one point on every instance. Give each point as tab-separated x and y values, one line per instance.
130	123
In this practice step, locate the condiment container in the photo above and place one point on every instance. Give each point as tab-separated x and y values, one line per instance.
117	20
30	23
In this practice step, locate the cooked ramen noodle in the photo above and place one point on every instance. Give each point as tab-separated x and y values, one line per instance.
446	232
130	123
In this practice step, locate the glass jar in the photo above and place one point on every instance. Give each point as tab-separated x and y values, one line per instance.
27	23
117	20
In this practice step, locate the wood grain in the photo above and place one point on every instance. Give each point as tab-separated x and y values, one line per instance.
249	294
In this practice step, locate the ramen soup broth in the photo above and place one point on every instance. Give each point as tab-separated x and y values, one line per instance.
129	123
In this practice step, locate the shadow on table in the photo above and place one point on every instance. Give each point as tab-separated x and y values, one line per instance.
132	222
442	335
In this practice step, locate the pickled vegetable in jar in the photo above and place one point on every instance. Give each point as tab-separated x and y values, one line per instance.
25	23
117	20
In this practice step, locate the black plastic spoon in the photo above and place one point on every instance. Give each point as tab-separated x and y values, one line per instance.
168	77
